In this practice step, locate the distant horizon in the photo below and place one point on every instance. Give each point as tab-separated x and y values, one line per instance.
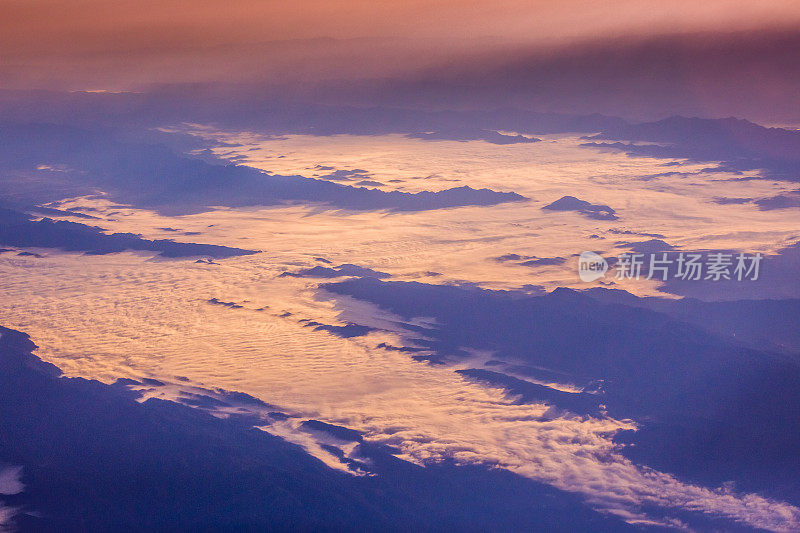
639	60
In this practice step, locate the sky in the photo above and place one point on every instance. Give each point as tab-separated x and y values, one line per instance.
691	57
101	26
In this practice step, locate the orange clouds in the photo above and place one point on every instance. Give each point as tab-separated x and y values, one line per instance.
38	23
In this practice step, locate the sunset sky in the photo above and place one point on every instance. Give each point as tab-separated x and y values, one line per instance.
701	56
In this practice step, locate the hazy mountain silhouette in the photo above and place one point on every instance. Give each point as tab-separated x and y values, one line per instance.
342	270
78	162
763	324
588	209
18	229
740	145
